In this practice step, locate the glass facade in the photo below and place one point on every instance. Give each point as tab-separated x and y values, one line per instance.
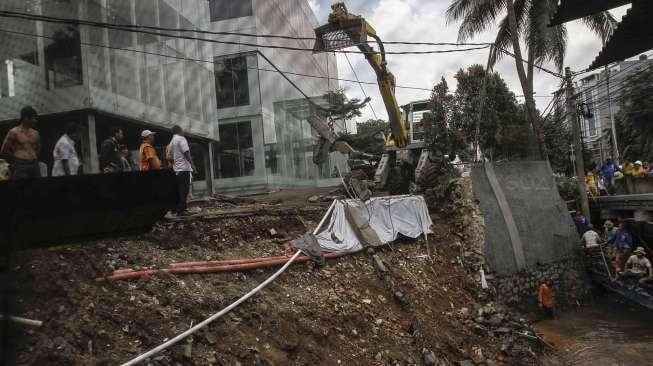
235	158
228	9
148	77
231	81
291	157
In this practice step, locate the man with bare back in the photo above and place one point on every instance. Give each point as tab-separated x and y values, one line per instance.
22	146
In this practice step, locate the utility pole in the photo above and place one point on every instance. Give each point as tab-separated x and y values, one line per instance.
572	111
615	148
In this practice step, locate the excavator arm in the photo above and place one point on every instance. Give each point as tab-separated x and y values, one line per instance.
346	30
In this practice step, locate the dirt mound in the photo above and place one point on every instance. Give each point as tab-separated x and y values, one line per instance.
422	310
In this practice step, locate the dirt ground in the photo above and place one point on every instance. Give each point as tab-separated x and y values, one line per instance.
423	311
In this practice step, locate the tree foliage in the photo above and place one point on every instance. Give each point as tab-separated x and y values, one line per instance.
558	138
370	136
523	22
342	108
635	117
502	123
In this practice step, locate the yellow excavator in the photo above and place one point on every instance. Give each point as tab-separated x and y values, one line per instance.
404	157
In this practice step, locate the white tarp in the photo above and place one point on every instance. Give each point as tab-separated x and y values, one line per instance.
387	216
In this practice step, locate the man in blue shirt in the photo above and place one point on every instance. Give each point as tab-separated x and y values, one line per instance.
607	171
581	223
623	244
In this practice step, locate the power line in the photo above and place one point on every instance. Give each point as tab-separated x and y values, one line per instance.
604	81
535	65
210	61
132	29
360	85
241	34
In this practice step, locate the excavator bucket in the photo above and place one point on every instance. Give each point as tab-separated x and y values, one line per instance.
336	36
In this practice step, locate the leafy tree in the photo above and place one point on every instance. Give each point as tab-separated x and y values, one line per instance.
370	136
523	22
342	108
635	117
558	139
502	125
503	130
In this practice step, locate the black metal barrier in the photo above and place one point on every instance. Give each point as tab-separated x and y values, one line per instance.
51	211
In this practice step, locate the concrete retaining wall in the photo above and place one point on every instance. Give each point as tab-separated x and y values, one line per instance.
545	230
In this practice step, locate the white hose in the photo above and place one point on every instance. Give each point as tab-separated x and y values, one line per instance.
215	316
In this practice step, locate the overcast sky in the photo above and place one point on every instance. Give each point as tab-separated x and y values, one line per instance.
424	20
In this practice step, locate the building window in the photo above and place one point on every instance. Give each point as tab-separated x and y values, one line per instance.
63	54
231	83
228	9
236	153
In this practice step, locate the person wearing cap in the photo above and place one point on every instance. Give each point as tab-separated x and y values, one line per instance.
22	146
591	238
638	170
639	266
149	159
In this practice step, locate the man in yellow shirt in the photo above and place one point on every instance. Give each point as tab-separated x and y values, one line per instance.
628	168
638	169
149	159
590	180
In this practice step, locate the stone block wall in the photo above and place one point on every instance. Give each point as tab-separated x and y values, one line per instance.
570	281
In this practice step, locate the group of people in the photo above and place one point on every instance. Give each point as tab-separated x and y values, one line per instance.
627	263
601	181
22	146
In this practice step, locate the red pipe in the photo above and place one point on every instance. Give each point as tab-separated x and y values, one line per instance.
224	262
214	269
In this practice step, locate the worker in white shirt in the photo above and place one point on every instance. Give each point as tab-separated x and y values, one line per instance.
66	161
591	238
182	164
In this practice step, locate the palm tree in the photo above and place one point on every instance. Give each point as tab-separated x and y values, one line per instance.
523	22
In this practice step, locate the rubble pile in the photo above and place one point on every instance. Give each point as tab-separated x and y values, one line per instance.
408	303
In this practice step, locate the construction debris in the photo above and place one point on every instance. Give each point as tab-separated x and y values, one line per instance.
342	312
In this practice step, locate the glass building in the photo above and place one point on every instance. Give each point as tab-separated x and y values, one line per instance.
222	92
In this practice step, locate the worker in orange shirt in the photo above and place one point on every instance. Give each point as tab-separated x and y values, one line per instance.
149	159
545	298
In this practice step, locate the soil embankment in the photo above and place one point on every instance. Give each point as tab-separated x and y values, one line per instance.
422	311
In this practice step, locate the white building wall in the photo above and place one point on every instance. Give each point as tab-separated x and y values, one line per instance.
292	18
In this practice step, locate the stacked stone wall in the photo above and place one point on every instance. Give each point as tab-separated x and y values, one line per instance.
570	281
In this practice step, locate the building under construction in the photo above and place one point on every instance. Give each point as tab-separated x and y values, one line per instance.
133	77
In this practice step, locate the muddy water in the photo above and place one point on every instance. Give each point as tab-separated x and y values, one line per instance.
604	334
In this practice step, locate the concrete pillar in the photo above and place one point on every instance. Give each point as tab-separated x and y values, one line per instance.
89	146
209	169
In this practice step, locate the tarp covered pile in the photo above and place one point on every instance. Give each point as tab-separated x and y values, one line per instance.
354	224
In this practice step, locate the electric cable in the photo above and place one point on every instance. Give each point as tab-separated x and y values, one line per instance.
535	65
168	35
15	14
360	85
210	61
